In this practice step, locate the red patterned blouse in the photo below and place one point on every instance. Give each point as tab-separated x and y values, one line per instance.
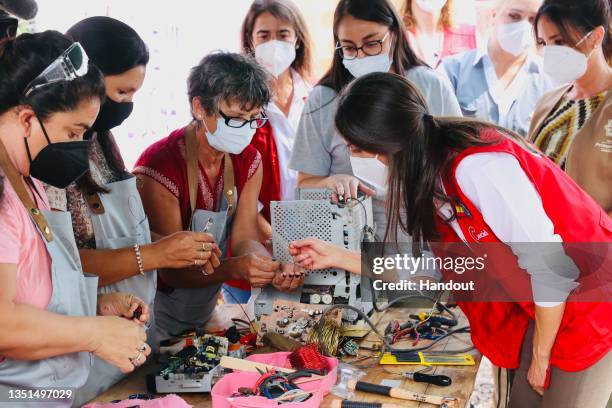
164	161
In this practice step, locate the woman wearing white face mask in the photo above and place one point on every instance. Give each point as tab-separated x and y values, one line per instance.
206	177
464	182
432	32
275	32
369	37
573	124
501	81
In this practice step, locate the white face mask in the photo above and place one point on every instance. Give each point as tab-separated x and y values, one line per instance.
275	56
565	64
362	66
515	38
228	139
431	6
371	171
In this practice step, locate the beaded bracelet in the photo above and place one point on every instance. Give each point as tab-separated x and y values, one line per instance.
139	258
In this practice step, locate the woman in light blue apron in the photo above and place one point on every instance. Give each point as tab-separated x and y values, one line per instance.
49	96
108	219
206	177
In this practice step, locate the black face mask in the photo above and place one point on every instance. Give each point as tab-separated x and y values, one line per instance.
112	114
59	164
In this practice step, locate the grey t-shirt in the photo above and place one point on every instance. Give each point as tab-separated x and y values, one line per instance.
320	151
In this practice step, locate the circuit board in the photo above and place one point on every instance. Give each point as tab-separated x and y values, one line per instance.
293	320
193	369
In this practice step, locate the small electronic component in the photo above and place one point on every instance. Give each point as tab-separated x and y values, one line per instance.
291	319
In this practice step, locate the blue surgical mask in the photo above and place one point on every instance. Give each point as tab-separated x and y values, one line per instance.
362	66
228	139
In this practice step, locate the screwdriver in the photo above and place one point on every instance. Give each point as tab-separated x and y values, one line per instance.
441	380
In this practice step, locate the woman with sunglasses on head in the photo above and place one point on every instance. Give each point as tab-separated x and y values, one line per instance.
455	181
107	213
206	177
573	123
369	37
432	32
275	33
49	97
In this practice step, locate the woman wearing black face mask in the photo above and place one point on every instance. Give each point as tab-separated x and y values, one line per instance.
49	97
108	217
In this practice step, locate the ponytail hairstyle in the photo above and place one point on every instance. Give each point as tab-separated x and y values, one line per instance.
23	58
383	113
578	18
377	11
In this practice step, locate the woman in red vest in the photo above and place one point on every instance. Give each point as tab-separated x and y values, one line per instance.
453	180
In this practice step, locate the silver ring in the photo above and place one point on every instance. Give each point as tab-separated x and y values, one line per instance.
134	361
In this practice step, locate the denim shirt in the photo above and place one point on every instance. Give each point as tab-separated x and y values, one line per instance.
473	77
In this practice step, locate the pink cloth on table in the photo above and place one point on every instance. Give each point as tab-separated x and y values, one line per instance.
230	383
169	401
22	245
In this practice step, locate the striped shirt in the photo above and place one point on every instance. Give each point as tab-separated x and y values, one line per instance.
559	129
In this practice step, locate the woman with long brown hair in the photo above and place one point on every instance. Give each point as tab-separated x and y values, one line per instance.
454	180
370	37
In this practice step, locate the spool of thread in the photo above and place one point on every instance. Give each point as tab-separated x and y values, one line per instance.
308	357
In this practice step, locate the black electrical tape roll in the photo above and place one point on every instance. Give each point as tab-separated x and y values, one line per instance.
373	388
357	404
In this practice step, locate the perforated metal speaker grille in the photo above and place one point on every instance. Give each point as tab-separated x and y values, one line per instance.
295	220
314	194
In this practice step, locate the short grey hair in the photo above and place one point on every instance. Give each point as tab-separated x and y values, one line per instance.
229	77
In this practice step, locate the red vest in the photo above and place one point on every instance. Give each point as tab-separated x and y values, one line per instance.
498	328
264	142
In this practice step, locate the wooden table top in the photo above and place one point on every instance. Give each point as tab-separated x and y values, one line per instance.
463	377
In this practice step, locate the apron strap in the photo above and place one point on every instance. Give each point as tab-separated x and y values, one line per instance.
16	181
229	184
192	145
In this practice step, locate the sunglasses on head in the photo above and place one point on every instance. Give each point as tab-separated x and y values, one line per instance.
8	27
72	64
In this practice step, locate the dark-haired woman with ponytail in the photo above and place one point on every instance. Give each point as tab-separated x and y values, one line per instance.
573	123
460	181
49	97
108	218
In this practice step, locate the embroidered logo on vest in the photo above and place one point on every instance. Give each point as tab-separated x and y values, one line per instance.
477	236
606	145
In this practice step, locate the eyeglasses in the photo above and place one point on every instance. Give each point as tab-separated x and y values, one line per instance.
240	122
72	64
8	27
370	48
